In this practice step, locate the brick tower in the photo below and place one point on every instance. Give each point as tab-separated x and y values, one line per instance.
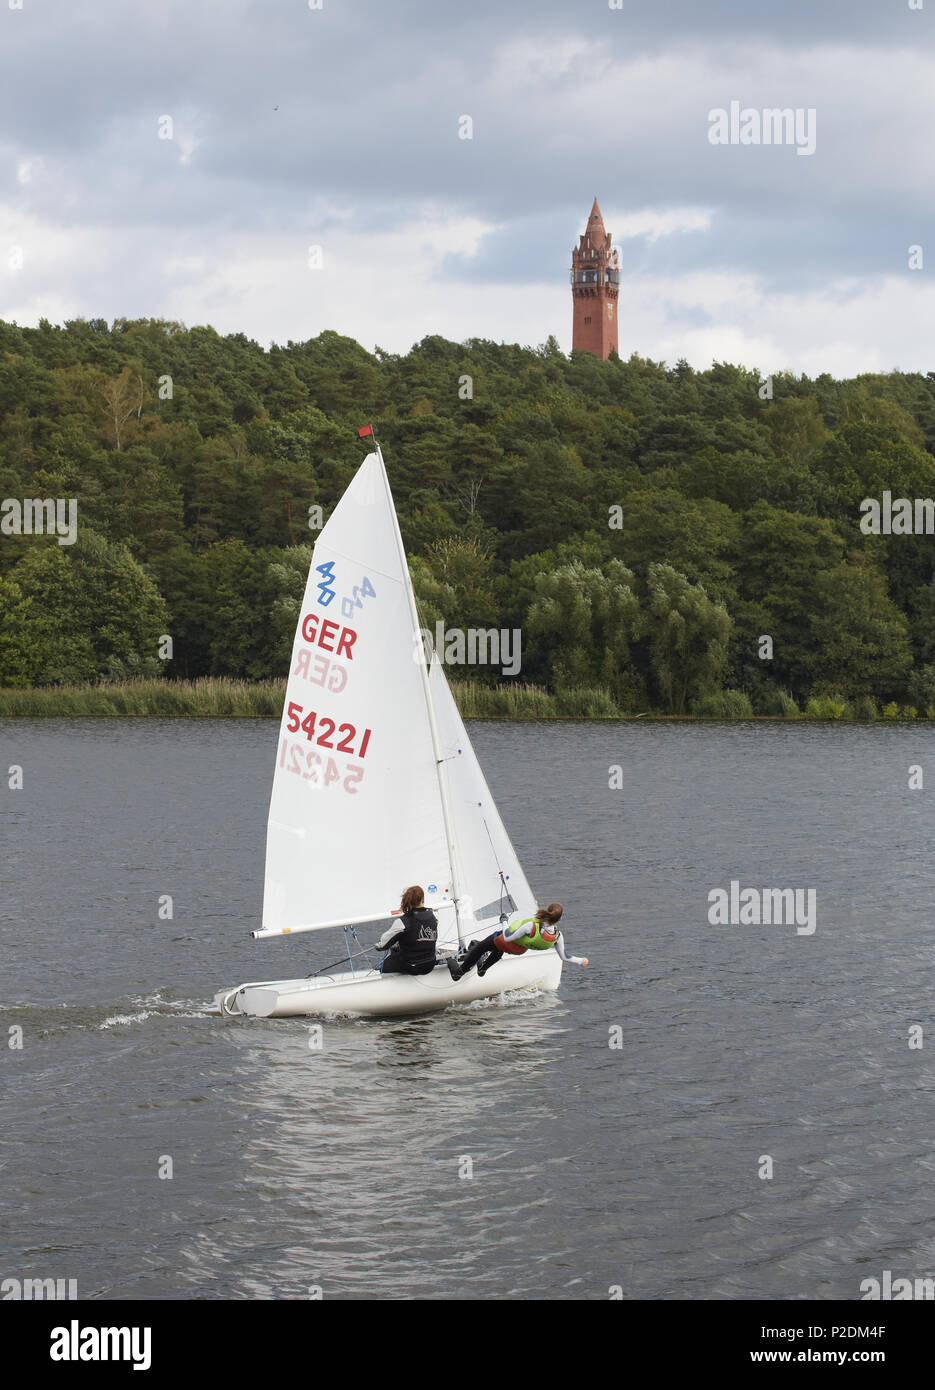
595	281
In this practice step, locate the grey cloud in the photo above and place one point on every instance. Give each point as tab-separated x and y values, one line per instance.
368	95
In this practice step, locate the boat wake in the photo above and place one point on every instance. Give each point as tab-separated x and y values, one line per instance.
50	1019
153	1007
507	999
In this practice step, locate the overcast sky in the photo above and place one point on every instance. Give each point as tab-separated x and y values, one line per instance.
338	127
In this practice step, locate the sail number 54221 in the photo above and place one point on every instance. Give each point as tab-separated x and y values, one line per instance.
306	763
323	733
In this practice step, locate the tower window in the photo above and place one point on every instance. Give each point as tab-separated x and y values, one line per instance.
588	319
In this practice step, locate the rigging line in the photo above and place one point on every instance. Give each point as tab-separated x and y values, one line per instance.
366	949
323	969
503	887
492	846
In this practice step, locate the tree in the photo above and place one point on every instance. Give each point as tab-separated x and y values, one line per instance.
583	622
221	599
462	564
796	426
541	500
123	398
21	656
89	604
861	639
780	558
661	526
863	459
741	479
287	578
688	636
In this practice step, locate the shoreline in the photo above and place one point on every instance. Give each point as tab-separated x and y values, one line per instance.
218	697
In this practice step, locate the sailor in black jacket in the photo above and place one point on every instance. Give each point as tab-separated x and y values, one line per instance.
410	941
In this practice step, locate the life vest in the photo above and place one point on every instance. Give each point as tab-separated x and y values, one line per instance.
539	937
416	942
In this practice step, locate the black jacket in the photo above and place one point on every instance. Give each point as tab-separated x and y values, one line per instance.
416	941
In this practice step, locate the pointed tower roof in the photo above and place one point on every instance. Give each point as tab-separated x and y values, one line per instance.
594	240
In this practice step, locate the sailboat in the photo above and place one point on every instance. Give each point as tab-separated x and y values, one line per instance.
376	786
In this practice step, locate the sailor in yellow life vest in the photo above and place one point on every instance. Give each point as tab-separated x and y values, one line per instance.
536	933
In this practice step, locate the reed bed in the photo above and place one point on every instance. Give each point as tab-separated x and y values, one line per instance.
216	697
212	697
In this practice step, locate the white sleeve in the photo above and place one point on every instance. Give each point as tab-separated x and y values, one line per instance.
512	933
560	947
391	932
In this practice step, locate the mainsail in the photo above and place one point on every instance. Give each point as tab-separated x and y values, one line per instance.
356	812
376	784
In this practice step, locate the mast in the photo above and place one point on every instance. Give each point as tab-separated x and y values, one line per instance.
433	724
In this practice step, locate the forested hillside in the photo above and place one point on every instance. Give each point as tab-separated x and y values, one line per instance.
195	459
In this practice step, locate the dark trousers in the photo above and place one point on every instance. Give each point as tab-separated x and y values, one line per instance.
484	952
394	964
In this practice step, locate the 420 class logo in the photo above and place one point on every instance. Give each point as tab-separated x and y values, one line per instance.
327	592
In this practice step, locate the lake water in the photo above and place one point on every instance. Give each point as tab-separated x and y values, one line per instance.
594	1166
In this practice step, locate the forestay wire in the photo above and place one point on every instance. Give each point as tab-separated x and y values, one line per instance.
503	887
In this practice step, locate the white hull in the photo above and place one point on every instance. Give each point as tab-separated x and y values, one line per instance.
369	992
